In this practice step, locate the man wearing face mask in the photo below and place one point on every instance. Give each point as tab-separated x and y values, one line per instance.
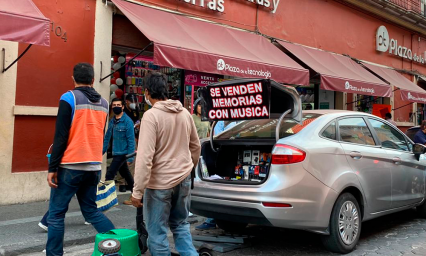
122	134
168	150
131	109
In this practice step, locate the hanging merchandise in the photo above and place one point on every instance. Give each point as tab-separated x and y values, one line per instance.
121	59
139	68
119	81
113	87
116	66
119	93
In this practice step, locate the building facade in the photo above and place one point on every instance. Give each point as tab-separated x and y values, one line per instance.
90	31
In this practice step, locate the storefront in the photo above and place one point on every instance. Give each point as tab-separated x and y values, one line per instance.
308	44
335	82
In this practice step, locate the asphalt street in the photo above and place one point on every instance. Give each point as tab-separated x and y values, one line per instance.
402	233
19	233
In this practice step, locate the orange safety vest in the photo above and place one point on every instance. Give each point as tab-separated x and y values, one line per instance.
86	135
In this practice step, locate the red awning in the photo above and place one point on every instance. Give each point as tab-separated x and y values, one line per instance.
191	44
338	72
21	21
409	90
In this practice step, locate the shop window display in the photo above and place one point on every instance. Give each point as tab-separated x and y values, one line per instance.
307	95
193	82
139	68
364	103
130	79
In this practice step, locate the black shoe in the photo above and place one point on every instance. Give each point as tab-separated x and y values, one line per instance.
122	188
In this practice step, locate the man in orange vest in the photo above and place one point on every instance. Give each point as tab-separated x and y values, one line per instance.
75	163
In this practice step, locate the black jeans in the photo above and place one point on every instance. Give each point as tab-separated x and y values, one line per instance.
119	164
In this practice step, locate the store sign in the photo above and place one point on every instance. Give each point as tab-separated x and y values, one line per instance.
356	89
267	4
238	101
219	5
411	97
222	66
200	79
214	5
384	43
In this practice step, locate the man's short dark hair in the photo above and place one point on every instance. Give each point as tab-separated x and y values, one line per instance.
388	115
131	97
156	85
83	73
117	99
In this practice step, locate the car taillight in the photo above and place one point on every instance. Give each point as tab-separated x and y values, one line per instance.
285	154
276	205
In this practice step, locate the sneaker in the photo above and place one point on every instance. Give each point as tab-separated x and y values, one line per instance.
206	226
41	225
86	223
190	214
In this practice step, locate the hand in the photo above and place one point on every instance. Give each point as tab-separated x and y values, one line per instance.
136	202
52	179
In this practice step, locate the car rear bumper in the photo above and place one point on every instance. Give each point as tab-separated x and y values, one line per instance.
230	213
311	201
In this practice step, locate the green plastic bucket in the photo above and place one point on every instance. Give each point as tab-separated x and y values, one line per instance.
128	240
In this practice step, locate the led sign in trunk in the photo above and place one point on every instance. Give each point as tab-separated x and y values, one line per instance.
241	101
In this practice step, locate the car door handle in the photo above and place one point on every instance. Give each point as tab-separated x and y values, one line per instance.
355	155
396	160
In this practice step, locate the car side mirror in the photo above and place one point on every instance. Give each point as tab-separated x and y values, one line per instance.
418	149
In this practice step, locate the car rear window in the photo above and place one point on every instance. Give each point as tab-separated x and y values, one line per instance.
330	131
265	128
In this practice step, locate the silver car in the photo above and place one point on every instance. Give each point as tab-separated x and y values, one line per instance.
327	175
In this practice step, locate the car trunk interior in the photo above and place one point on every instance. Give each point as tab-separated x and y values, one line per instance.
244	155
239	162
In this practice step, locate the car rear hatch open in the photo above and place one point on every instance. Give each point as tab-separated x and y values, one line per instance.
257	108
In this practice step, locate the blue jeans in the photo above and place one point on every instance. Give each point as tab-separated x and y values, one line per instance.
71	182
169	208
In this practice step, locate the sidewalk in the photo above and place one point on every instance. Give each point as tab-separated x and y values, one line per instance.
77	250
20	235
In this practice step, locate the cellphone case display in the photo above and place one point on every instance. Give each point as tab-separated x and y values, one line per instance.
139	68
252	165
255	157
247	157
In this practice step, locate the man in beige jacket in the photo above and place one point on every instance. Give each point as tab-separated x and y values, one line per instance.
168	150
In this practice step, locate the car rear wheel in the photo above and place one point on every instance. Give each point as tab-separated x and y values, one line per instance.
232	227
345	225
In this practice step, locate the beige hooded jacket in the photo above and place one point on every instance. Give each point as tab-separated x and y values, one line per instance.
168	147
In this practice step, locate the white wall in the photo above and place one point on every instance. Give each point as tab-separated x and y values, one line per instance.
32	186
103	44
15	187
